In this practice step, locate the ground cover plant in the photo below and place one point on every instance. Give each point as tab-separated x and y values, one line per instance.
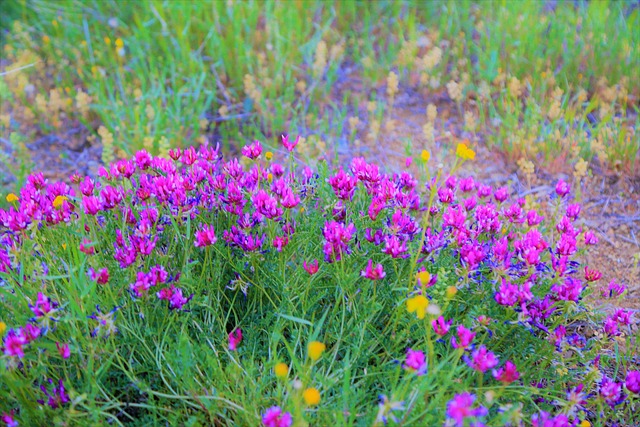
195	290
446	236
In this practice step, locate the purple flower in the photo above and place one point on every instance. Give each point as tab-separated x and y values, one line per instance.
461	407
611	392
289	145
501	194
337	237
441	327
633	382
373	273
8	419
57	397
235	337
590	238
275	417
253	150
562	188
415	361
464	339
482	359
507	295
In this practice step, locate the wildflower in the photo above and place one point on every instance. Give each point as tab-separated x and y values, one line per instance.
386	408
507	374
425	156
482	360
591	275
281	370
8	419
63	350
268	155
101	276
611	392
205	237
372	273
464	152
423	278
415	362
460	408
590	238
632	382
43	305
615	289
253	150
59	201
235	337
311	396
451	292
562	188
440	326
289	145
311	268
57	397
315	350
507	295
418	305
274	417
3	327
106	322
464	339
12	198
13	344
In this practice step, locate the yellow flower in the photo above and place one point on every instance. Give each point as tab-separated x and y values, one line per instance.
451	291
311	396
418	305
425	155
58	201
423	277
119	43
281	370
268	155
64	246
107	41
315	349
45	39
12	198
465	152
3	327
584	423
269	177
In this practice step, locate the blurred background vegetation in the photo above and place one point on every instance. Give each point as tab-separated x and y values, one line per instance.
538	81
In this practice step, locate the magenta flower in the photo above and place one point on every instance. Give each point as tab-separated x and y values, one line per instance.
482	360
8	420
611	392
501	194
591	275
14	344
507	374
562	188
275	417
205	237
633	382
174	296
590	238
87	247
63	350
464	339
288	144
235	337
337	237
544	419
43	305
311	268
615	289
461	408
253	150
343	185
372	273
415	361
440	326
507	295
